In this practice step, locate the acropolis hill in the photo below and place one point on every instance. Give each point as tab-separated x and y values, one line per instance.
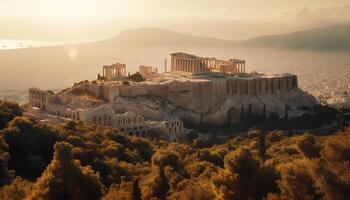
196	89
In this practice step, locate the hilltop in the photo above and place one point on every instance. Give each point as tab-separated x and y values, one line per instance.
162	37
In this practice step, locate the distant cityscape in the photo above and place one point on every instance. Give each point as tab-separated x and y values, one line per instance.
329	87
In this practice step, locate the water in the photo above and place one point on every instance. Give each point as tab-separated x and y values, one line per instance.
19	44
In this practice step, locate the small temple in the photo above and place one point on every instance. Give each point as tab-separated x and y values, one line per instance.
148	71
114	72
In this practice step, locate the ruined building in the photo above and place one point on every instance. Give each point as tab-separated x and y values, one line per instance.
182	62
148	71
200	90
114	72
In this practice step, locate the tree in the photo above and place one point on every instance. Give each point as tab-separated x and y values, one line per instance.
157	186
331	172
30	146
4	158
70	126
242	162
296	182
262	148
65	178
307	146
164	158
136	192
137	77
8	111
17	190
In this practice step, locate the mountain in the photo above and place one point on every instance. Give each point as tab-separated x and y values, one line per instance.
163	37
331	38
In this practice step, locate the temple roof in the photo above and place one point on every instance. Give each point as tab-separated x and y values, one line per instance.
181	54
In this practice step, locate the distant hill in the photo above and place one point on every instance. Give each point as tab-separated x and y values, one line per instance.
332	38
163	37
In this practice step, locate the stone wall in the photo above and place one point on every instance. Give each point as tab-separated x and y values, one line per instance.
198	94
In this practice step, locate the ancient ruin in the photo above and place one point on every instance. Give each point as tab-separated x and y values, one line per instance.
114	72
148	71
200	90
183	62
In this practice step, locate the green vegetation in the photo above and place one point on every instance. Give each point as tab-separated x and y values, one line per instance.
137	77
77	161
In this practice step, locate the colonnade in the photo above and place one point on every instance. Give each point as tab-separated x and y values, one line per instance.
186	65
115	71
193	64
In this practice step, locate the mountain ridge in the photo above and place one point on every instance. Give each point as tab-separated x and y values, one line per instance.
331	38
160	37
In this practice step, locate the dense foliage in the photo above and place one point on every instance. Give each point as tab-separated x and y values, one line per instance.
77	161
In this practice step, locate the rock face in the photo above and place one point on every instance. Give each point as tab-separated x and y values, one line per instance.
210	97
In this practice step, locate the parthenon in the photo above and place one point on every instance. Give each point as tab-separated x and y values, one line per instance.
114	72
193	64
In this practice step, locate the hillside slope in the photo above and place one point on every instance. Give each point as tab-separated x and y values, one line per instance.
332	38
163	37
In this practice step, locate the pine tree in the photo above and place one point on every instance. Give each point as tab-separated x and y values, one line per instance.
136	192
262	148
65	178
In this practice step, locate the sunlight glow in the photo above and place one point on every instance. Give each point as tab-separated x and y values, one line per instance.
72	54
82	9
71	8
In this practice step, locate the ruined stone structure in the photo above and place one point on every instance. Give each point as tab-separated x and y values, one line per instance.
148	71
39	98
182	62
205	90
43	106
114	72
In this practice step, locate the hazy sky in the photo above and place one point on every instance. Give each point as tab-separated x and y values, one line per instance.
37	17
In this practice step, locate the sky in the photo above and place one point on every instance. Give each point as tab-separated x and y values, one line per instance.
97	19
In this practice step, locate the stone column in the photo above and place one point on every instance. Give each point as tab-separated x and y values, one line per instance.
184	65
180	67
187	66
193	65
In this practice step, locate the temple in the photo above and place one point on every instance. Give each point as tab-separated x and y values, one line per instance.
183	62
114	72
148	71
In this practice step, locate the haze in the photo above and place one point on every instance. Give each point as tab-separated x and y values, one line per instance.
86	20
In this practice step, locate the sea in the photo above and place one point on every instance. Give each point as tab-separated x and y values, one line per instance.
19	44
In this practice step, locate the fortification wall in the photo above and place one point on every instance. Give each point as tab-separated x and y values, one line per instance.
180	93
184	93
158	90
133	91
